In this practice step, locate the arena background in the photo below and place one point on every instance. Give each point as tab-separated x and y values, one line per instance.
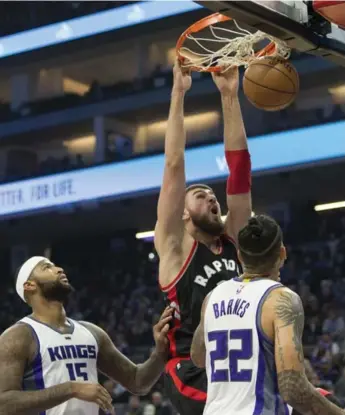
83	108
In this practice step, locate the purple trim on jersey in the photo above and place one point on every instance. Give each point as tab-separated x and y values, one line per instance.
37	369
260	384
276	395
254	279
54	329
276	402
35	336
261	333
279	403
260	381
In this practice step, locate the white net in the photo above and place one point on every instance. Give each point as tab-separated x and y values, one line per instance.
237	51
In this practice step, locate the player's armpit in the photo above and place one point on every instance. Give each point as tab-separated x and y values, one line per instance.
198	348
293	384
15	347
138	379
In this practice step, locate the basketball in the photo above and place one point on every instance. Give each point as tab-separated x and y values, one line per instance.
271	83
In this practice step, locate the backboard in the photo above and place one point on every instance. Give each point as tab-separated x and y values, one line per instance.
295	22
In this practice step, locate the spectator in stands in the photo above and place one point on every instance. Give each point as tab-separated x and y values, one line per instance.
326	295
323	358
312	330
160	407
115	389
134	406
334	324
157	406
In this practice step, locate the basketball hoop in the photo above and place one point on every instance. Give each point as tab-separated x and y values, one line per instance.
233	51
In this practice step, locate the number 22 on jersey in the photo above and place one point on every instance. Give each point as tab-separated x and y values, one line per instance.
222	338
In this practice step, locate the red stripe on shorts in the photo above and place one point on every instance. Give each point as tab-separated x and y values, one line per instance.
172	296
185	390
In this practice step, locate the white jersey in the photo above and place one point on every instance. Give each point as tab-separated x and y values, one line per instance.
240	366
61	358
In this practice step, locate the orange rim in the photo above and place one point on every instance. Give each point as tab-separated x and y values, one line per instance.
206	22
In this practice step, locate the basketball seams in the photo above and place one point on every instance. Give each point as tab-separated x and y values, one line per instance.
279	70
274	87
271	107
269	88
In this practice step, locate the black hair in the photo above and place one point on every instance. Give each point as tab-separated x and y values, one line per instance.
259	243
198	186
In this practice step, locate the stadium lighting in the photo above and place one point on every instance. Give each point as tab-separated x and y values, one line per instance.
145	235
329	206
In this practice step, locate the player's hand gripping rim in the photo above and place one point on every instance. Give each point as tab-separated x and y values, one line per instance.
227	80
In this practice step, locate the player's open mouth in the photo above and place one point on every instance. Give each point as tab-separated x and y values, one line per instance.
214	210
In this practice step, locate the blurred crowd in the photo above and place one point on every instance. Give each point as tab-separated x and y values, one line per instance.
116	287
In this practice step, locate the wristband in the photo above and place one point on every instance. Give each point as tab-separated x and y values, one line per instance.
239	164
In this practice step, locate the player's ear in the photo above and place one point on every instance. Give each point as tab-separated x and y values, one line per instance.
283	255
186	214
30	286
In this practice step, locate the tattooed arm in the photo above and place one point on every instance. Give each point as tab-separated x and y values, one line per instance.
198	348
16	349
138	379
294	386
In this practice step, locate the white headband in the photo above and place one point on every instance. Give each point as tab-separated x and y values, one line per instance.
25	272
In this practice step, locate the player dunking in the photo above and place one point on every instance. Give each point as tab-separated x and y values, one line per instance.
48	362
196	249
250	336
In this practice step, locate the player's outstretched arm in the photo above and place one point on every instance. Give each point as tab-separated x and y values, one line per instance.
138	379
169	228
198	348
16	346
294	386
238	190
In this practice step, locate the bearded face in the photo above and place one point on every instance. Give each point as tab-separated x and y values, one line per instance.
204	211
50	282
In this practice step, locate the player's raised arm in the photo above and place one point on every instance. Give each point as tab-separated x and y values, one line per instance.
293	384
238	190
16	346
138	379
198	348
169	228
